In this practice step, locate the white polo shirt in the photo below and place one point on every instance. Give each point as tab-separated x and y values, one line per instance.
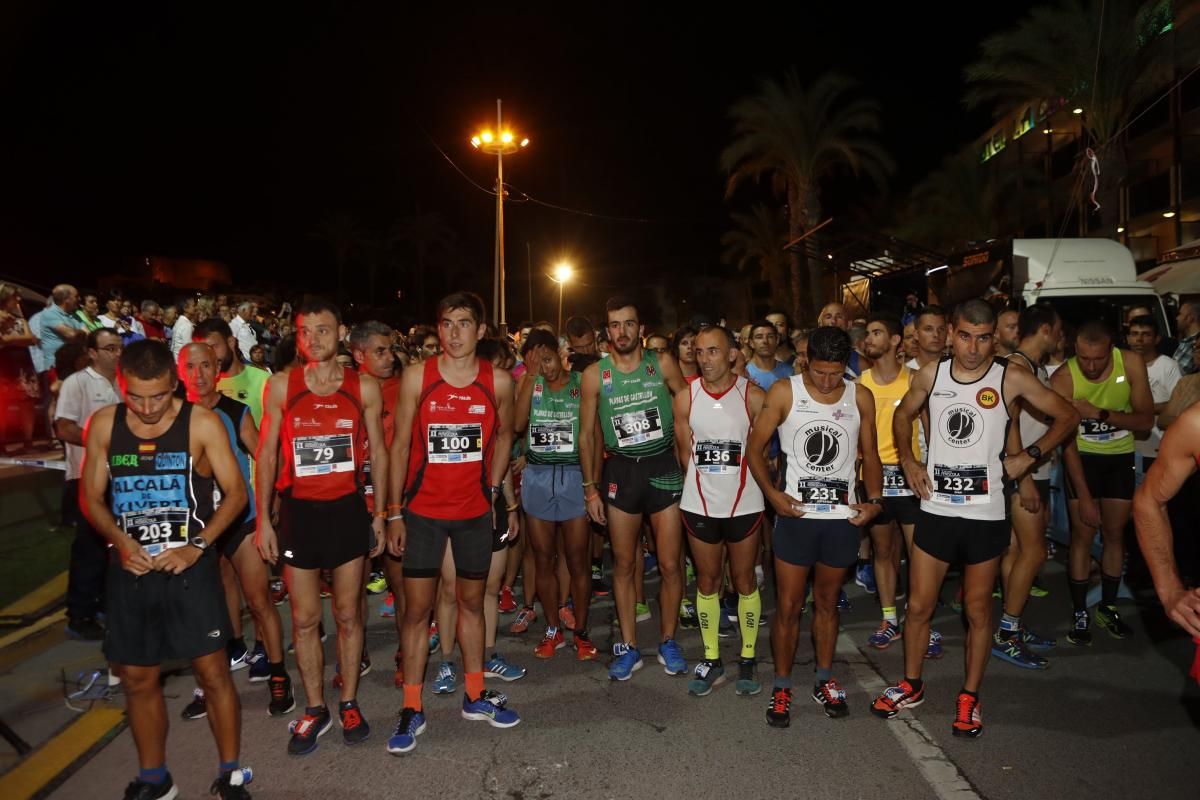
82	394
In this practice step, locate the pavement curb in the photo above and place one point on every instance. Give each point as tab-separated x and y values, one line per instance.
36	604
43	769
29	630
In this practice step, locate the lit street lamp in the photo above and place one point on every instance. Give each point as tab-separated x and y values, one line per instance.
562	274
503	142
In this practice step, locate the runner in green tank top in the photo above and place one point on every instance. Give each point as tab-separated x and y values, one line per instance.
1111	391
629	392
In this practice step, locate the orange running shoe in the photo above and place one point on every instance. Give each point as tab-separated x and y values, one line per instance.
968	721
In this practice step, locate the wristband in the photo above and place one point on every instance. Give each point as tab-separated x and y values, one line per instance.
396	517
593	495
512	508
589	483
380	513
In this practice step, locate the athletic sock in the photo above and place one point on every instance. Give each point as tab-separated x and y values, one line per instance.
412	696
783	681
474	684
708	609
226	767
278	669
749	610
156	776
889	615
1010	624
1079	590
824	674
915	683
1108	588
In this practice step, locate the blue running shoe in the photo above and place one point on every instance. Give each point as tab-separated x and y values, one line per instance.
707	676
404	738
887	633
1014	651
446	679
935	649
649	563
864	576
260	668
843	601
626	661
671	657
498	667
491	707
1035	642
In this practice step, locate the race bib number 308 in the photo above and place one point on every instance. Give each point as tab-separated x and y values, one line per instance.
636	427
455	444
321	455
157	529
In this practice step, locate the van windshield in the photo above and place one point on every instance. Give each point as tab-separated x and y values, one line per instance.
1112	309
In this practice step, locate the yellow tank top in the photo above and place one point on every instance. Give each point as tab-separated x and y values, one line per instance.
887	397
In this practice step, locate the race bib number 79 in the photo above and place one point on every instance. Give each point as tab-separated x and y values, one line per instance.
321	455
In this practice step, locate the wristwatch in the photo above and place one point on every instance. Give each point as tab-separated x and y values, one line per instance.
1034	452
199	542
876	501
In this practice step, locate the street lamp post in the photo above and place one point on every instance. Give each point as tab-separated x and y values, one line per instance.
503	143
562	274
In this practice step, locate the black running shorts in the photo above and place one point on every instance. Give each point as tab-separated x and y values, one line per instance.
715	530
229	541
961	541
898	509
471	542
805	541
324	534
1108	477
160	617
644	485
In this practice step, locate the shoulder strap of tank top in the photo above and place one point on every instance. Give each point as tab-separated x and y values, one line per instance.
296	387
352	377
485	376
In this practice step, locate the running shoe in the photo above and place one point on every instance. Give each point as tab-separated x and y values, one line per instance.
779	710
584	649
887	633
642	610
498	667
364	667
409	726
1013	650
508	603
956	605
1036	642
279	591
844	601
897	698
526	617
198	708
282	700
388	609
232	785
1037	590
446	680
1081	630
1108	619
305	731
435	639
492	708
399	669
239	656
354	725
832	698
85	629
599	587
626	661
671	657
649	563
260	667
688	618
705	677
934	648
968	721
377	583
726	629
552	641
326	587
729	608
566	616
747	684
141	790
864	576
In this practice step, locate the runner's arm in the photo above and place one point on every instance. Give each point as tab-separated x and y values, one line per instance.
404	414
868	445
912	404
1024	388
504	430
372	397
589	435
1141	419
1176	462
210	433
266	457
774	410
248	431
681	405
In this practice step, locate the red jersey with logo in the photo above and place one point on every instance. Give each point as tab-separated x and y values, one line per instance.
323	439
391	391
453	437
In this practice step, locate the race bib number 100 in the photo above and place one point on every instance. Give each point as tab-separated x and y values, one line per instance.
157	529
455	444
321	455
636	427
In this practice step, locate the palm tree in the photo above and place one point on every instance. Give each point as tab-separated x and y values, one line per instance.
429	236
1052	54
343	233
797	136
758	239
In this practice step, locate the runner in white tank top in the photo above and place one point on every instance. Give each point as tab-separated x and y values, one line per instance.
722	505
970	397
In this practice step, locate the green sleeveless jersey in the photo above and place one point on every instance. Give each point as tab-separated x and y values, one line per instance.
1095	436
553	435
635	409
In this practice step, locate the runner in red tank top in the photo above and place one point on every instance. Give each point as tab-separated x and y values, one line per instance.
454	432
323	416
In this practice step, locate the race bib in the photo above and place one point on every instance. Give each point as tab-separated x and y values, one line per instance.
454	444
1094	430
157	529
822	495
321	455
637	427
719	457
960	485
894	482
552	437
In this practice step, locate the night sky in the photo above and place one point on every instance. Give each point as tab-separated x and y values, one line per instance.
230	132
